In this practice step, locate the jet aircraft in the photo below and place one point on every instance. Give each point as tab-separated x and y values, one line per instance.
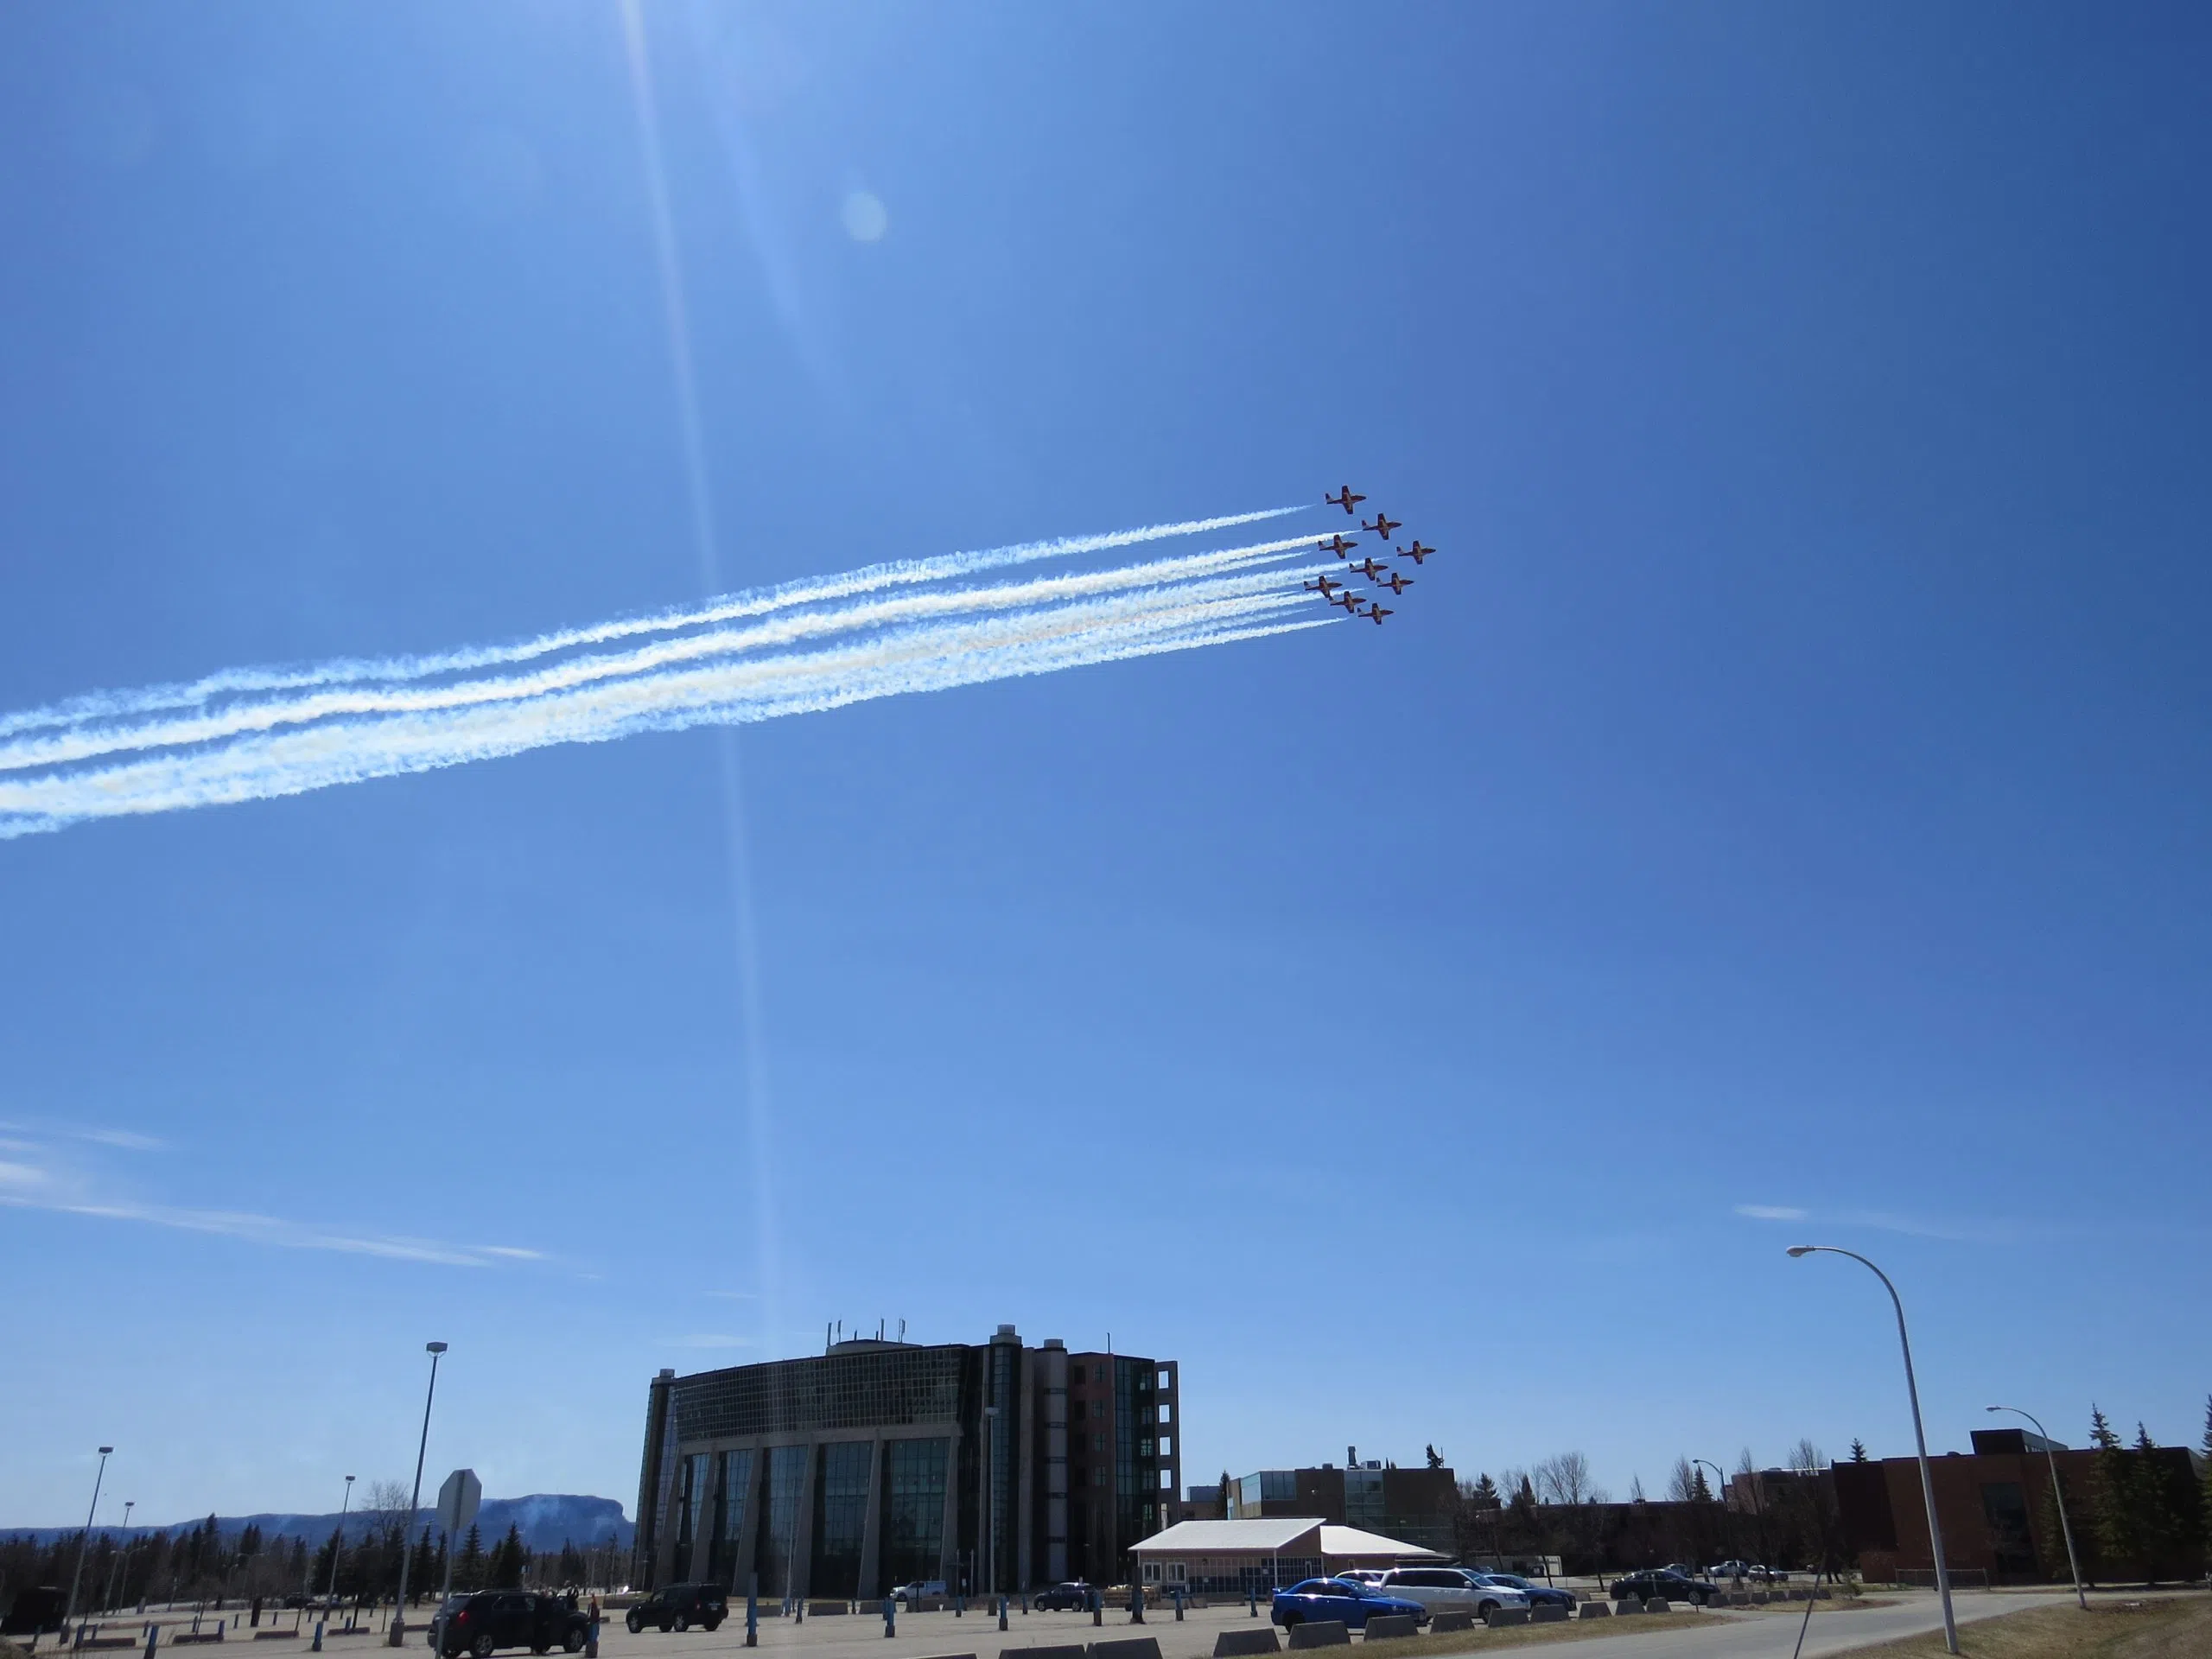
1416	552
1324	585
1383	525
1375	614
1396	583
1335	544
1368	568
1343	498
1349	600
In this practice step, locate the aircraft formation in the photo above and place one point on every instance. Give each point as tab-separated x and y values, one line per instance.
1369	567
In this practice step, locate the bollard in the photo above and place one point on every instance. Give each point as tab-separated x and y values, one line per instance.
153	1640
1098	1608
1178	1603
1001	1612
1251	1601
752	1612
890	1616
591	1641
960	1605
798	1610
317	1647
1137	1604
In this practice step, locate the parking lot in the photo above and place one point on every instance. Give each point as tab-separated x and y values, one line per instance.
1684	1634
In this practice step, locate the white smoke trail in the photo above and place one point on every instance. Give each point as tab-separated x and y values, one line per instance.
237	719
807	590
867	647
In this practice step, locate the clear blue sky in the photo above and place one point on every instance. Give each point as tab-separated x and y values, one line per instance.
1792	791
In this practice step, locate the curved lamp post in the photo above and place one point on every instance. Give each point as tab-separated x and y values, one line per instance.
414	1503
1919	1435
339	1548
2058	1497
84	1538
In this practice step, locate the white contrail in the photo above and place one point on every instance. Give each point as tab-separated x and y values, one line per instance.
807	590
237	719
869	645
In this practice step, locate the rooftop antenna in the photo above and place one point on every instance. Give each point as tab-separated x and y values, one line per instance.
902	1330
825	1336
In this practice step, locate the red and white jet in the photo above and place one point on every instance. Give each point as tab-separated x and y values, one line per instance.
1343	498
1384	526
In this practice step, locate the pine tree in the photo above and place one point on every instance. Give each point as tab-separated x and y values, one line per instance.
1485	1496
2119	1529
1859	1451
1701	1492
468	1566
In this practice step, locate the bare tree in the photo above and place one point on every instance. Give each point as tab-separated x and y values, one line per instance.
1806	1458
1564	1479
1681	1484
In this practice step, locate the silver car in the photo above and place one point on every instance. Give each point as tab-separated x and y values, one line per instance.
1449	1590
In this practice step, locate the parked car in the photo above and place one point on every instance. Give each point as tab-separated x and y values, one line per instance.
1539	1595
1367	1575
487	1620
679	1607
1664	1581
1316	1600
919	1589
1448	1590
1072	1597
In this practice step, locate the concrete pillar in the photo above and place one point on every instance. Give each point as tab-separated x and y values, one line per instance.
803	1528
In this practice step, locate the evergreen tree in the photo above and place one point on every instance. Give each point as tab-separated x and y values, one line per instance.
1700	1491
468	1566
509	1558
1484	1494
1859	1451
1434	1461
2116	1503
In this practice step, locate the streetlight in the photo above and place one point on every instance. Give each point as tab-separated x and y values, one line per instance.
114	1561
85	1537
2058	1497
1919	1435
338	1548
415	1503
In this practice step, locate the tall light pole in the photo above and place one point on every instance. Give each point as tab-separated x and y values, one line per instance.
415	1503
84	1538
2058	1497
1919	1436
108	1600
338	1548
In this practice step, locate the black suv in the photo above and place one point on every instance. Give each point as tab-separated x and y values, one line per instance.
679	1607
1664	1581
1073	1596
492	1619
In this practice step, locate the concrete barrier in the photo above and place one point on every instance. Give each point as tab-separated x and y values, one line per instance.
1759	1597
1548	1613
1445	1624
827	1609
1628	1604
1390	1627
1739	1597
1502	1617
1594	1610
258	1636
1321	1633
1235	1644
1070	1650
1132	1647
1657	1604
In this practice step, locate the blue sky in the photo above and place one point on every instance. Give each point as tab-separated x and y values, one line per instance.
1790	794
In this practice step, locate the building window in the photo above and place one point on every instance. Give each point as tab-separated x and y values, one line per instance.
1166	1380
1098	1441
1168	1446
1078	1411
730	1493
1144	1447
839	1517
1098	1476
784	1473
1166	1412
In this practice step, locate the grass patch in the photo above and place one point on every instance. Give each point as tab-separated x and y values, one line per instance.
2166	1627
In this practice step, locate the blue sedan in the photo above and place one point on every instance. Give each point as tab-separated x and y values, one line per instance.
1316	1600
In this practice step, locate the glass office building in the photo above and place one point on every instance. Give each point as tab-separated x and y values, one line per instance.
991	1465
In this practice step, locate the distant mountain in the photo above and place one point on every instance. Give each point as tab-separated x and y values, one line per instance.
546	1521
